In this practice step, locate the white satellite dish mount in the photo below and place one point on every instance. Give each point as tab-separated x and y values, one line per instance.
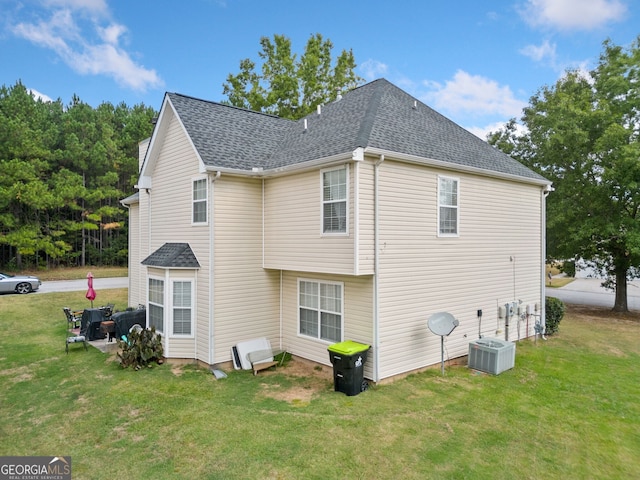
442	324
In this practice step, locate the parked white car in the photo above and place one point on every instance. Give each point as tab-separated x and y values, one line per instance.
18	283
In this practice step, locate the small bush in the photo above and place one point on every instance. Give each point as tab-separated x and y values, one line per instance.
141	348
554	312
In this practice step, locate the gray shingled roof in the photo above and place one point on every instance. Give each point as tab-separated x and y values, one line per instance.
227	136
378	115
172	255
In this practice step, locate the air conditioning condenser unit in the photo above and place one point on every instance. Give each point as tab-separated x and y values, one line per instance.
492	355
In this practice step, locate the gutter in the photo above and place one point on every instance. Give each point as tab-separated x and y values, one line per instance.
454	166
259	172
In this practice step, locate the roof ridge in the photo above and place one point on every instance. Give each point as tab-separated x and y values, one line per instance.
366	126
221	104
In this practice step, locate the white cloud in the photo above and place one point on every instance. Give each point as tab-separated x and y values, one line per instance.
475	95
94	49
373	69
482	132
93	6
573	14
544	52
40	96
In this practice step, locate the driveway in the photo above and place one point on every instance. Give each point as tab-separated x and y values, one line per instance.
77	285
587	291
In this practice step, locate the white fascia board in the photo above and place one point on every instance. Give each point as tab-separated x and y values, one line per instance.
166	113
403	157
356	155
144	182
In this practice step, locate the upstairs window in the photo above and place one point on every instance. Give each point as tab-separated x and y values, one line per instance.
334	200
448	207
200	201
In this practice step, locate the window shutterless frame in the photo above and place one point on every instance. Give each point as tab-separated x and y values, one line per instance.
200	200
320	310
334	213
156	304
448	206
182	308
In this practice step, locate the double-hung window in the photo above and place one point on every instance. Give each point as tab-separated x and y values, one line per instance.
156	304
199	201
320	310
182	309
334	200
448	212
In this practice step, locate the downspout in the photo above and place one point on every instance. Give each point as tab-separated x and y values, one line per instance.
211	271
376	270
543	228
356	218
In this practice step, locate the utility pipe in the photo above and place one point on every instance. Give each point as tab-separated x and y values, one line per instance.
376	268
211	305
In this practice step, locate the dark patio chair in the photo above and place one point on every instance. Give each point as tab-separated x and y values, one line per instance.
74	318
72	336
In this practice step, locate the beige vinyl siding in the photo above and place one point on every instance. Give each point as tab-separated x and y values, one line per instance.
170	218
247	300
365	202
357	316
293	227
136	291
496	259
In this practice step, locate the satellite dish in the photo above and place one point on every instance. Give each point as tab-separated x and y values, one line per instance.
442	323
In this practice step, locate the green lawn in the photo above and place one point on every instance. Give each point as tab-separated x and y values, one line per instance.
569	409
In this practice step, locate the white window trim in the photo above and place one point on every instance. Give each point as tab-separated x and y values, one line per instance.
457	207
206	200
164	305
322	202
172	307
326	282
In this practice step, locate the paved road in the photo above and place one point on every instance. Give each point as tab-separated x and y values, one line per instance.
587	291
582	291
77	285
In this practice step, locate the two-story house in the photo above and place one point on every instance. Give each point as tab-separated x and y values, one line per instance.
357	222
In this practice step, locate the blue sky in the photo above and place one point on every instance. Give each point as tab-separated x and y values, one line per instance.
476	61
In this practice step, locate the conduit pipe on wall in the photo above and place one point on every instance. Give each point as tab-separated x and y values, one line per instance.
376	267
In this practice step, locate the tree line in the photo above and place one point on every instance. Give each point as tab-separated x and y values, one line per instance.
583	133
63	171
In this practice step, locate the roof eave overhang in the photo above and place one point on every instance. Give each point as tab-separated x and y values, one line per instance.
355	155
165	267
403	157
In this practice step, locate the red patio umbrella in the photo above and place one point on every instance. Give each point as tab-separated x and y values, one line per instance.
91	293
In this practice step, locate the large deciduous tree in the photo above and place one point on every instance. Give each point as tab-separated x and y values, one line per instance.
290	86
583	134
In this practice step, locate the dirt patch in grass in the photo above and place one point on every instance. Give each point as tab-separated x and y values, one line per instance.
314	379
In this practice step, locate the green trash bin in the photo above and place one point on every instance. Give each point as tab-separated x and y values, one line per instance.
348	360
